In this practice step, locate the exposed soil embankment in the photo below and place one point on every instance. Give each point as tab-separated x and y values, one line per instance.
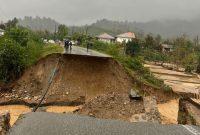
189	112
76	77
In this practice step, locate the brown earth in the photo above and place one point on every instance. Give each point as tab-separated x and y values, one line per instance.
169	112
77	76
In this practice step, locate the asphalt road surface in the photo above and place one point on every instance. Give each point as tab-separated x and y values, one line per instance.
83	51
68	124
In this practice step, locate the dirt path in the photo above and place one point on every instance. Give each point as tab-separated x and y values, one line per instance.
179	81
17	110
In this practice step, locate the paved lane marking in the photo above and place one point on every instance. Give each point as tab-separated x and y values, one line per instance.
191	130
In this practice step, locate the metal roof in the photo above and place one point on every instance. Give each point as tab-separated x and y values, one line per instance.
127	35
105	36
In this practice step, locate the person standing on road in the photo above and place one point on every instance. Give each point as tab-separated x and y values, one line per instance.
70	46
66	46
89	45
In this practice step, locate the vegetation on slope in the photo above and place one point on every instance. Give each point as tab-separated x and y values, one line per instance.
20	48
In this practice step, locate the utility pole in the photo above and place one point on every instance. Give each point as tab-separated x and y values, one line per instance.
55	33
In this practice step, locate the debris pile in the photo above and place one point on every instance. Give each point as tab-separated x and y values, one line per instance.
112	106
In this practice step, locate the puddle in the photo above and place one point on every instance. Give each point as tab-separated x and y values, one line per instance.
61	109
17	110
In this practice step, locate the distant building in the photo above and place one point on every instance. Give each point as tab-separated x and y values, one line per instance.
125	37
106	38
1	32
166	48
51	41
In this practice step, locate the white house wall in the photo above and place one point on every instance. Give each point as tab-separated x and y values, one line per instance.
121	40
105	40
1	33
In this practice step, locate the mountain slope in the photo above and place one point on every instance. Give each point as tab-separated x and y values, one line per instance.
166	28
38	23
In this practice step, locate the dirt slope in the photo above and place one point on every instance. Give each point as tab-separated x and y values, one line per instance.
77	76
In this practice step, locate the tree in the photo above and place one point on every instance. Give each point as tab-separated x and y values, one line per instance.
19	35
198	66
133	47
149	41
62	32
182	49
158	40
2	26
12	23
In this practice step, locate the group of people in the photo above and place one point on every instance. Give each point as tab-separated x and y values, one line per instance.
68	46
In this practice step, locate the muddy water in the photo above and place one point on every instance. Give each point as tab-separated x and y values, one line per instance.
17	110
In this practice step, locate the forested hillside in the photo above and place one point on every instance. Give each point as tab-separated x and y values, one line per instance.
166	28
39	24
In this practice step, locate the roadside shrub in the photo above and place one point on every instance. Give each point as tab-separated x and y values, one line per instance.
152	55
33	52
12	60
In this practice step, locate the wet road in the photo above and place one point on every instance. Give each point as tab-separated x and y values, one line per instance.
68	124
83	51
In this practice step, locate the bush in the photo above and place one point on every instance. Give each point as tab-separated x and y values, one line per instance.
33	52
152	55
12	60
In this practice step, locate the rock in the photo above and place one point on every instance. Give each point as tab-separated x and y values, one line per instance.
135	95
139	118
151	109
4	122
26	98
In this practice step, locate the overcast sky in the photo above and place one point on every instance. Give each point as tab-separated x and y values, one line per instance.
77	12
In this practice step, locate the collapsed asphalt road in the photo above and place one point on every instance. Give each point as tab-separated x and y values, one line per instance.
67	124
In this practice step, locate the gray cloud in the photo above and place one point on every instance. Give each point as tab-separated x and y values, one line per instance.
73	12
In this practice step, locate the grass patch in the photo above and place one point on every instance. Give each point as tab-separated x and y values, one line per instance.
50	49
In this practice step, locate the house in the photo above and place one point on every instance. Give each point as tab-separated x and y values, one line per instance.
51	41
166	48
106	38
125	37
1	32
